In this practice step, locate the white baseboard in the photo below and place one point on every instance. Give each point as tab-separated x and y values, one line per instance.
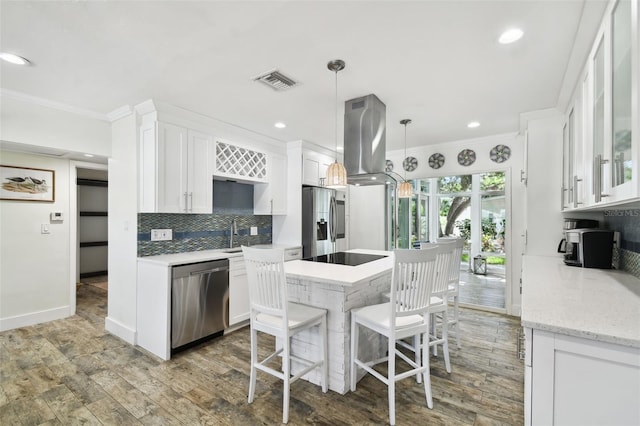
34	318
120	330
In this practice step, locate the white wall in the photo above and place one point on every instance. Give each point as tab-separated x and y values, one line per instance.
123	228
34	267
37	271
26	122
366	208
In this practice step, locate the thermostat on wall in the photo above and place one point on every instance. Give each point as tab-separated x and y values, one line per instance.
56	216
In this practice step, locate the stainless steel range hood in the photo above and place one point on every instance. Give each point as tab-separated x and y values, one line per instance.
365	141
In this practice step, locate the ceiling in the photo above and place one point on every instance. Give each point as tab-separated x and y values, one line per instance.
435	62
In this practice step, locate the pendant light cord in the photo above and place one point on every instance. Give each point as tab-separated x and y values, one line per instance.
336	116
405	150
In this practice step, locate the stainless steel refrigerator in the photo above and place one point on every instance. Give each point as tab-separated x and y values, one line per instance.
322	221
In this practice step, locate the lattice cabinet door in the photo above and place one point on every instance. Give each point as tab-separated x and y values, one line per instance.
240	162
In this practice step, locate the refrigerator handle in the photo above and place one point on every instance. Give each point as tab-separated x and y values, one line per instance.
333	214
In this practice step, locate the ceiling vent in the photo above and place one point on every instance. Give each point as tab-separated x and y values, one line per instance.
276	80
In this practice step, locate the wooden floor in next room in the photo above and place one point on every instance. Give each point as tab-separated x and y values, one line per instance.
71	371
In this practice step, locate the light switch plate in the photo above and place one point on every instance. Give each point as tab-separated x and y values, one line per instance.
254	230
44	229
161	234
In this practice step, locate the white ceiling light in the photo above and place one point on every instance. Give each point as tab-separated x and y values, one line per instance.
473	125
13	59
511	35
280	125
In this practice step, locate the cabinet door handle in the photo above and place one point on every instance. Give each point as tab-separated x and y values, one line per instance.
598	162
271	205
575	191
185	202
562	191
191	202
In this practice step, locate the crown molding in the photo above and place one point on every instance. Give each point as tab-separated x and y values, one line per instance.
119	113
23	97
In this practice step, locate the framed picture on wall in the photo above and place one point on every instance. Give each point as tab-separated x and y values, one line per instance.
27	184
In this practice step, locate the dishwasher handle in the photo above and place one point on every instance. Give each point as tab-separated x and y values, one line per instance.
209	271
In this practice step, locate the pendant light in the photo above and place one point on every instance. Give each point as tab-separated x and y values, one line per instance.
405	189
336	173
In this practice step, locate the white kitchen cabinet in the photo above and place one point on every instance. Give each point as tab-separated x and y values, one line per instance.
606	152
238	291
176	172
314	167
572	380
271	198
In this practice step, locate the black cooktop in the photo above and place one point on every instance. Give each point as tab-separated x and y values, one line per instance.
343	258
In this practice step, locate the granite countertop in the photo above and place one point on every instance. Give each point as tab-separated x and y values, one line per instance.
340	274
596	304
204	255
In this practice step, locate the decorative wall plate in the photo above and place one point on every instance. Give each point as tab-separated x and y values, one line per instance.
436	160
410	164
500	153
466	157
388	166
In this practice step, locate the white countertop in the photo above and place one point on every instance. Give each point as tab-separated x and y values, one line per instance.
340	274
202	255
596	304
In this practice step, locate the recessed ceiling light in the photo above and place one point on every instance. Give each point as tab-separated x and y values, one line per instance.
473	125
280	125
13	59
373	178
88	155
511	35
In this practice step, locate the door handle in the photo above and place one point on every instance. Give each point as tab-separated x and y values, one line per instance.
334	219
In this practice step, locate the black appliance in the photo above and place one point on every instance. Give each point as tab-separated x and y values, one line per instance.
344	258
589	248
575	224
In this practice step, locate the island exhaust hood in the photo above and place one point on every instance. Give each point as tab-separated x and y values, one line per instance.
365	141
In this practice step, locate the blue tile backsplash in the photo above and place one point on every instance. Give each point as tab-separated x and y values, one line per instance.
627	222
194	232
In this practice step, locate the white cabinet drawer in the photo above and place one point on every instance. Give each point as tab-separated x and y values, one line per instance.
292	254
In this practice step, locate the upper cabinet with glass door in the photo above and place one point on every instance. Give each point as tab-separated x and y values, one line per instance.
602	150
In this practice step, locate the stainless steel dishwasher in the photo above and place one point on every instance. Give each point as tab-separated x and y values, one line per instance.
199	302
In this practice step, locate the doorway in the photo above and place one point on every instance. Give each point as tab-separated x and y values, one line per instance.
89	229
473	207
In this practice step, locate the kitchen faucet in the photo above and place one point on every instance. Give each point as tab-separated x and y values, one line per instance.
233	231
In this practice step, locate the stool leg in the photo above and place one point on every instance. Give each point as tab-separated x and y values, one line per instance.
445	343
427	373
354	350
417	350
391	381
456	319
254	360
286	364
325	356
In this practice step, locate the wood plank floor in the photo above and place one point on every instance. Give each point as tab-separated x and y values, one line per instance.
72	372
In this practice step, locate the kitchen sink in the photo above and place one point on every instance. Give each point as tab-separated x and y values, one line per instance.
233	250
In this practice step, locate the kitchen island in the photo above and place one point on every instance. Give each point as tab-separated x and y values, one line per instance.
582	340
338	289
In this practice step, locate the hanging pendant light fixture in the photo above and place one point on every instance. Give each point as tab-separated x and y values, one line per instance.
405	189
336	173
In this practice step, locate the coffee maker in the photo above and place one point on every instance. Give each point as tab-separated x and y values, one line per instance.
570	224
590	248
